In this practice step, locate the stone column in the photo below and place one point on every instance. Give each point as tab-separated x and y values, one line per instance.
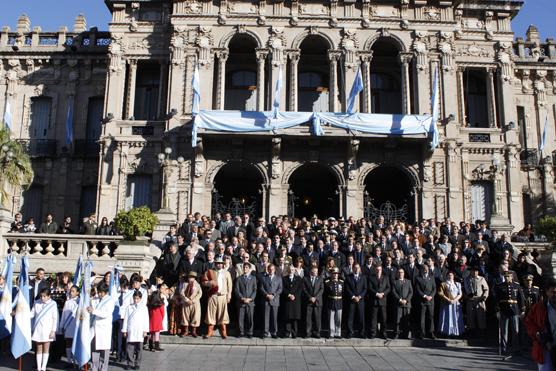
222	56
176	80
261	59
405	60
115	83
453	179
422	74
130	88
294	62
334	104
461	97
366	58
491	96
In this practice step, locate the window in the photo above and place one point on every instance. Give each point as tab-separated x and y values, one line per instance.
94	118
88	201
147	89
476	100
481	200
138	191
32	204
241	91
40	117
385	93
522	126
313	92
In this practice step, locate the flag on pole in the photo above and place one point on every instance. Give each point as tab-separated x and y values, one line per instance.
356	88
543	138
81	346
21	331
277	93
196	92
77	274
114	287
6	319
435	103
69	122
8	115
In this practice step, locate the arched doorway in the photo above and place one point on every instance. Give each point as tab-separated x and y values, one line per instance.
238	190
313	191
389	192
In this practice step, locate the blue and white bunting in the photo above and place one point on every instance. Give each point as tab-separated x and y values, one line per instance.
81	346
543	138
6	319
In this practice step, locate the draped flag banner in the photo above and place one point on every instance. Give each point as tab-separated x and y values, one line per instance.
8	115
543	138
21	330
435	104
277	93
371	123
6	319
78	269
69	122
196	92
114	287
81	346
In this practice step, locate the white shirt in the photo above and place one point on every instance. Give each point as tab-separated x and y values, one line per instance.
220	279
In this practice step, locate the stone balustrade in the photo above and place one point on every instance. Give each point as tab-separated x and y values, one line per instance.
59	252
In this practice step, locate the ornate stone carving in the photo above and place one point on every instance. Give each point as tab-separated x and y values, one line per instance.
276	164
504	58
350	45
193	7
352	165
474	50
431	13
446	48
116	50
419	48
204	41
540	87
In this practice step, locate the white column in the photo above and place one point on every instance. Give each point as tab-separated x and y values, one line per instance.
130	94
491	96
294	63
405	59
366	59
333	57
221	79
461	92
261	59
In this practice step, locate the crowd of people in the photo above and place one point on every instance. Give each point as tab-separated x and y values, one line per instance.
291	277
89	226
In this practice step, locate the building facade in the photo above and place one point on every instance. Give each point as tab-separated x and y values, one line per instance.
132	97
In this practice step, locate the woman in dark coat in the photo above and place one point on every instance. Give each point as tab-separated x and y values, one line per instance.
291	292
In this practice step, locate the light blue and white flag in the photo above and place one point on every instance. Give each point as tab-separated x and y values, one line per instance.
78	269
69	122
356	88
6	319
21	330
8	115
277	93
196	92
435	103
543	138
114	290
81	346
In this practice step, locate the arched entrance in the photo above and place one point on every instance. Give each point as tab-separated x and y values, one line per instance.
238	190
313	191
389	192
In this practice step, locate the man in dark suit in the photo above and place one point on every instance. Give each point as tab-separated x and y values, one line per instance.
379	288
249	227
291	249
402	291
411	269
313	288
356	291
235	228
291	292
37	284
246	291
270	289
425	286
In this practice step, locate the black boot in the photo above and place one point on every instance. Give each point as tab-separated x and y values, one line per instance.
157	346
151	347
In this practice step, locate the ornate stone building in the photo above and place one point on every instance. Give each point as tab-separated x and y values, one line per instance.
131	93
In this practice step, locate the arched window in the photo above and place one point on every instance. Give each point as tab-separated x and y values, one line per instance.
313	75
386	91
241	74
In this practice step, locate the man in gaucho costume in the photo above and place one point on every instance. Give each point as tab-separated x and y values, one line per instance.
218	285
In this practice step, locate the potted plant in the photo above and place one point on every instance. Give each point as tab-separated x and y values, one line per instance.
135	223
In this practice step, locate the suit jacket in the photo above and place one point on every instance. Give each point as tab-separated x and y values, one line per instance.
246	288
48	228
314	291
402	290
425	286
292	308
356	288
233	231
34	295
411	273
376	286
271	286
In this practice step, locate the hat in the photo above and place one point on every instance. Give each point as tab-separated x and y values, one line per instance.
218	260
507	273
332	219
335	270
529	277
333	231
192	274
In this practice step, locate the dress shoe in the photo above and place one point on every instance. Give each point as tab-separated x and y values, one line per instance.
396	337
433	336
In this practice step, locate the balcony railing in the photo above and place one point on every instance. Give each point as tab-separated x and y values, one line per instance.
529	158
39	147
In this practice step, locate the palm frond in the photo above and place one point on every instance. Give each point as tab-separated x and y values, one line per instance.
16	171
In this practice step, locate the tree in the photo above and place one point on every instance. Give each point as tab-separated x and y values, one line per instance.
136	222
16	171
547	227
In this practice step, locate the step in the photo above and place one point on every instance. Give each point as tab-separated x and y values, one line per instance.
322	342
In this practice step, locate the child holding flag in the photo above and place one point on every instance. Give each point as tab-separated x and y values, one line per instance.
67	322
45	323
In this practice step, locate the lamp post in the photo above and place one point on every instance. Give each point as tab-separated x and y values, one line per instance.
167	165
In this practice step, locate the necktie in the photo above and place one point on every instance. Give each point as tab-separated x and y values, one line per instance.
313	281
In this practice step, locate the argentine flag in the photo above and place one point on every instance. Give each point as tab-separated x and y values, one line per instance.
77	274
6	319
81	347
435	102
21	332
277	93
196	92
8	115
356	88
114	287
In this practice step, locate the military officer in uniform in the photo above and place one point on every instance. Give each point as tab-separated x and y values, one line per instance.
335	288
510	306
532	294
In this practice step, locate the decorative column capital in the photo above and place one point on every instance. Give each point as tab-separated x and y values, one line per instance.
222	54
405	58
261	54
366	56
334	55
293	55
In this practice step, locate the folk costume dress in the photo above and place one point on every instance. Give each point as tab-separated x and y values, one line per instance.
450	321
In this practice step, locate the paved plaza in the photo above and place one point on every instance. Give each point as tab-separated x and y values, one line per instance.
338	358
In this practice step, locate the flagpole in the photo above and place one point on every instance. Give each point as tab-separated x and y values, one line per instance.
20	364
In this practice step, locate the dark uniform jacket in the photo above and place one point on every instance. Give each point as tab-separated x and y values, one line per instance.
356	288
509	299
376	286
292	286
334	293
532	296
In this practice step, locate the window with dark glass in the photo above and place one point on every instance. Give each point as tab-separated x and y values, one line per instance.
147	90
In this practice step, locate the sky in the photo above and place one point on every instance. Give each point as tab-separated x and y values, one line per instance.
51	14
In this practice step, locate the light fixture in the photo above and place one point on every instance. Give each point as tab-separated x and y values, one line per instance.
167	150
161	157
180	160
